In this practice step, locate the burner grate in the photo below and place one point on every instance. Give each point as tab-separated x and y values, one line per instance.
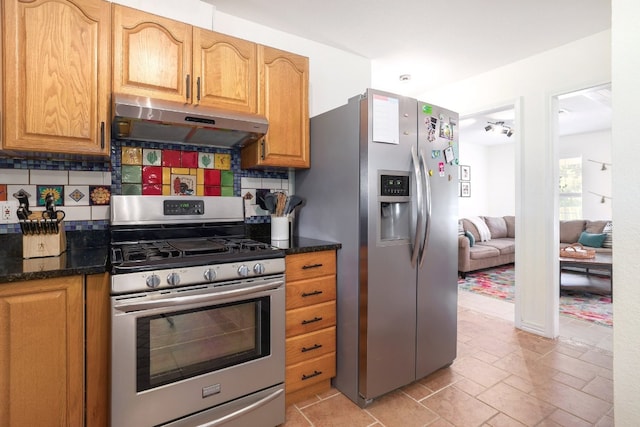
148	252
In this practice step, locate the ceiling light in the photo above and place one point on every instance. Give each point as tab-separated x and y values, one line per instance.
499	127
405	77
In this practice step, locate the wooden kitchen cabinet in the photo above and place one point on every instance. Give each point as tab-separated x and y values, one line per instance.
57	70
161	58
310	324
41	352
284	100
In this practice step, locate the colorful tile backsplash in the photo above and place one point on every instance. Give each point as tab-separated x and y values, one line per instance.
83	188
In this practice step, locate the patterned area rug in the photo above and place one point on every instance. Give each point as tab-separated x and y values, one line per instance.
499	283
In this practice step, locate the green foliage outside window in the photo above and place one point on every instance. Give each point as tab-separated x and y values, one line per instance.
570	199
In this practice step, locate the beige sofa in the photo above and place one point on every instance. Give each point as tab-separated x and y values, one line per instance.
500	248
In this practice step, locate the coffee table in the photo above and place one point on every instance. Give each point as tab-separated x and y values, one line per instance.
602	261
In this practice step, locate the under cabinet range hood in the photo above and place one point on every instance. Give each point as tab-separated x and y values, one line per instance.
145	119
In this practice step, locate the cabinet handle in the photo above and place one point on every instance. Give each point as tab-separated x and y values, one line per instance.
314	347
102	135
262	148
315	319
315	374
310	294
306	267
188	86
198	89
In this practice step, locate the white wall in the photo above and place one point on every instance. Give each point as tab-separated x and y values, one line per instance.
475	156
493	175
501	177
334	75
591	146
626	176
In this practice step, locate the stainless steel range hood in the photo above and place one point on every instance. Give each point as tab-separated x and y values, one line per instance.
145	119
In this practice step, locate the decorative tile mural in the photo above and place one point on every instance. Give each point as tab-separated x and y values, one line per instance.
172	172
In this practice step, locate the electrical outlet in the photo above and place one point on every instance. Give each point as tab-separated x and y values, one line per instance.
8	212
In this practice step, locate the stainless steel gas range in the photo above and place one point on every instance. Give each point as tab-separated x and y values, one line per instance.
197	311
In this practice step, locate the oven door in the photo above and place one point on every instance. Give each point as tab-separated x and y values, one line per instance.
185	350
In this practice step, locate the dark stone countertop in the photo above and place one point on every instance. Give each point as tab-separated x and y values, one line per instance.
295	245
87	253
300	245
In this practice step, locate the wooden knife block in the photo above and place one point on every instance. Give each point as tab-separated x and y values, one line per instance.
43	245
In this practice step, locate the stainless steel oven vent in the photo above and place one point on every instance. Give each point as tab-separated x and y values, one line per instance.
146	119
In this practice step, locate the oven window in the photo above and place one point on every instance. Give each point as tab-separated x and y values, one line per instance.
183	344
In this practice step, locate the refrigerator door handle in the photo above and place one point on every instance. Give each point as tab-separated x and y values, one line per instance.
426	209
417	169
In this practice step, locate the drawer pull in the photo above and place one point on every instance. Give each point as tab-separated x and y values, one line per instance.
315	319
310	294
306	267
315	374
315	347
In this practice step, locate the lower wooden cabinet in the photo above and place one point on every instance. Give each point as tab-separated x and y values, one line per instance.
310	324
44	325
41	352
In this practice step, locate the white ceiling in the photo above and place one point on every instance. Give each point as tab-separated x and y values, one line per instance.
438	42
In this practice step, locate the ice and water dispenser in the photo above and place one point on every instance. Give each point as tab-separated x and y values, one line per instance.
394	201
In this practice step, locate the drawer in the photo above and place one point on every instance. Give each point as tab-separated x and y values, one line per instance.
309	265
301	293
309	346
309	319
310	372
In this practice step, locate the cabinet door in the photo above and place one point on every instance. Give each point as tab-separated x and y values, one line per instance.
41	352
284	100
57	76
225	71
152	55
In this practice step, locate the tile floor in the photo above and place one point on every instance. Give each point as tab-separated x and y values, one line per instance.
501	377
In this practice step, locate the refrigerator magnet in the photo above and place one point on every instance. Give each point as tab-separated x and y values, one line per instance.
441	168
448	154
435	154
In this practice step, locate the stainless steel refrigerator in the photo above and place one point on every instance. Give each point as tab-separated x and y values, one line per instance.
384	182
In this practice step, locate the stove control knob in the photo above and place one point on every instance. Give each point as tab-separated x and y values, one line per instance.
243	271
209	275
173	279
259	268
153	281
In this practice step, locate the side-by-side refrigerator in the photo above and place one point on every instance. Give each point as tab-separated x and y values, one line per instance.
384	183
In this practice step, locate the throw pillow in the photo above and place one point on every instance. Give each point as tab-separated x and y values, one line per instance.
592	240
472	240
497	226
608	230
460	228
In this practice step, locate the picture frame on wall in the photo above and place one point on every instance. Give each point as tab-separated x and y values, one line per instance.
465	189
465	173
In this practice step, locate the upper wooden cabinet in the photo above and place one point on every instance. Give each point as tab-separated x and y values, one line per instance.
161	58
151	55
284	100
56	76
228	70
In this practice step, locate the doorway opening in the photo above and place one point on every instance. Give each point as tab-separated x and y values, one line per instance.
583	147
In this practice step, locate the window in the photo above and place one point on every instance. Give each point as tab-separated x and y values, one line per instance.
570	188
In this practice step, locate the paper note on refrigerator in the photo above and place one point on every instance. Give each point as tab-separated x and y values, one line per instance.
386	119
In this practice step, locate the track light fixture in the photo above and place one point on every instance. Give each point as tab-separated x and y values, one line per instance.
604	165
499	127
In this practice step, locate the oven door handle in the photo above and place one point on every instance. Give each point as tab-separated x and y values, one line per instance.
243	411
194	299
